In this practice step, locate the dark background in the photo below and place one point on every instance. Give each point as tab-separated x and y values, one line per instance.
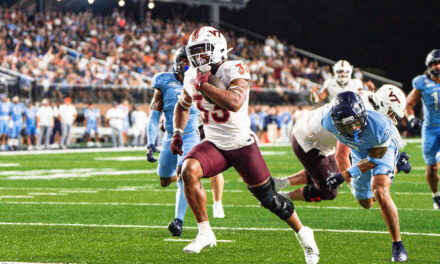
387	37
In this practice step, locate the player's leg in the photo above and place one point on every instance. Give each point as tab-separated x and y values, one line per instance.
315	175
190	140
204	160
63	135
166	169
251	166
430	148
383	175
217	185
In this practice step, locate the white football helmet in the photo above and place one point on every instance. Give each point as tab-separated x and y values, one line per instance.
206	46
342	70
390	100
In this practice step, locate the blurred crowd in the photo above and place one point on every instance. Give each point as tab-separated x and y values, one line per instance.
60	124
65	52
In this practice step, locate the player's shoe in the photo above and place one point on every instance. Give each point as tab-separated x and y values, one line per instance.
436	202
399	253
175	227
217	210
202	240
280	183
308	244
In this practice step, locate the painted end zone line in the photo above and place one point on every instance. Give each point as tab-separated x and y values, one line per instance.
215	228
190	240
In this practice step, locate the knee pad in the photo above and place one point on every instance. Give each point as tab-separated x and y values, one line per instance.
273	201
313	194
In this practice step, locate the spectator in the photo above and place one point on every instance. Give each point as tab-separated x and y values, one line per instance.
16	123
139	124
45	121
115	117
67	115
125	108
5	108
92	119
30	114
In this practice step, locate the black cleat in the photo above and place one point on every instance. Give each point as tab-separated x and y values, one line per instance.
436	202
175	227
399	252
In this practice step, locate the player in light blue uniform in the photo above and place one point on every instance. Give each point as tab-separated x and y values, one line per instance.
168	87
92	118
30	113
5	109
17	111
374	151
427	87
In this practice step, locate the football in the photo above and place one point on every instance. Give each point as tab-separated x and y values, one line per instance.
215	81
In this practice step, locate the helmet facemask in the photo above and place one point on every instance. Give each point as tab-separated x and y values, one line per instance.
342	76
201	55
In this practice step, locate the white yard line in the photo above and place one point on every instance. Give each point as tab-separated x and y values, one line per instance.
225	205
215	228
9	164
16	196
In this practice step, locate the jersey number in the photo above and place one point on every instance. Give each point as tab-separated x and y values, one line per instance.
219	115
435	95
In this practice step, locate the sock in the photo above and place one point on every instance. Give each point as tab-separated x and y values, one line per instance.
285	195
204	227
217	204
436	194
181	204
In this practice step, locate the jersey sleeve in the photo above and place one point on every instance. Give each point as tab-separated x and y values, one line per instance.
240	70
417	83
157	82
358	84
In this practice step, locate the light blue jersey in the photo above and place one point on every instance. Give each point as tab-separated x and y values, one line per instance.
379	132
16	114
5	109
31	120
171	89
430	92
92	116
17	111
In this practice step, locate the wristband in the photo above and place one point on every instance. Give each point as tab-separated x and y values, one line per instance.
178	131
410	118
354	171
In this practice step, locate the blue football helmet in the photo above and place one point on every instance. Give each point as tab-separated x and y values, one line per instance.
349	115
179	56
433	57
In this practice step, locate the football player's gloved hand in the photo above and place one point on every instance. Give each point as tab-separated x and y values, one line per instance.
201	78
176	144
416	123
403	163
334	180
151	148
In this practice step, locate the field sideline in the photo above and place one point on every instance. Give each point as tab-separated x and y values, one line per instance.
108	207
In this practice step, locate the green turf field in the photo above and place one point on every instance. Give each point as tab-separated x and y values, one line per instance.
108	207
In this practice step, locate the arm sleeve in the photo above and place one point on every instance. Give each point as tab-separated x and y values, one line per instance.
417	83
153	126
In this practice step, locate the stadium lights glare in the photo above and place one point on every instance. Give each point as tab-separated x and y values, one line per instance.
151	5
91	1
121	3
